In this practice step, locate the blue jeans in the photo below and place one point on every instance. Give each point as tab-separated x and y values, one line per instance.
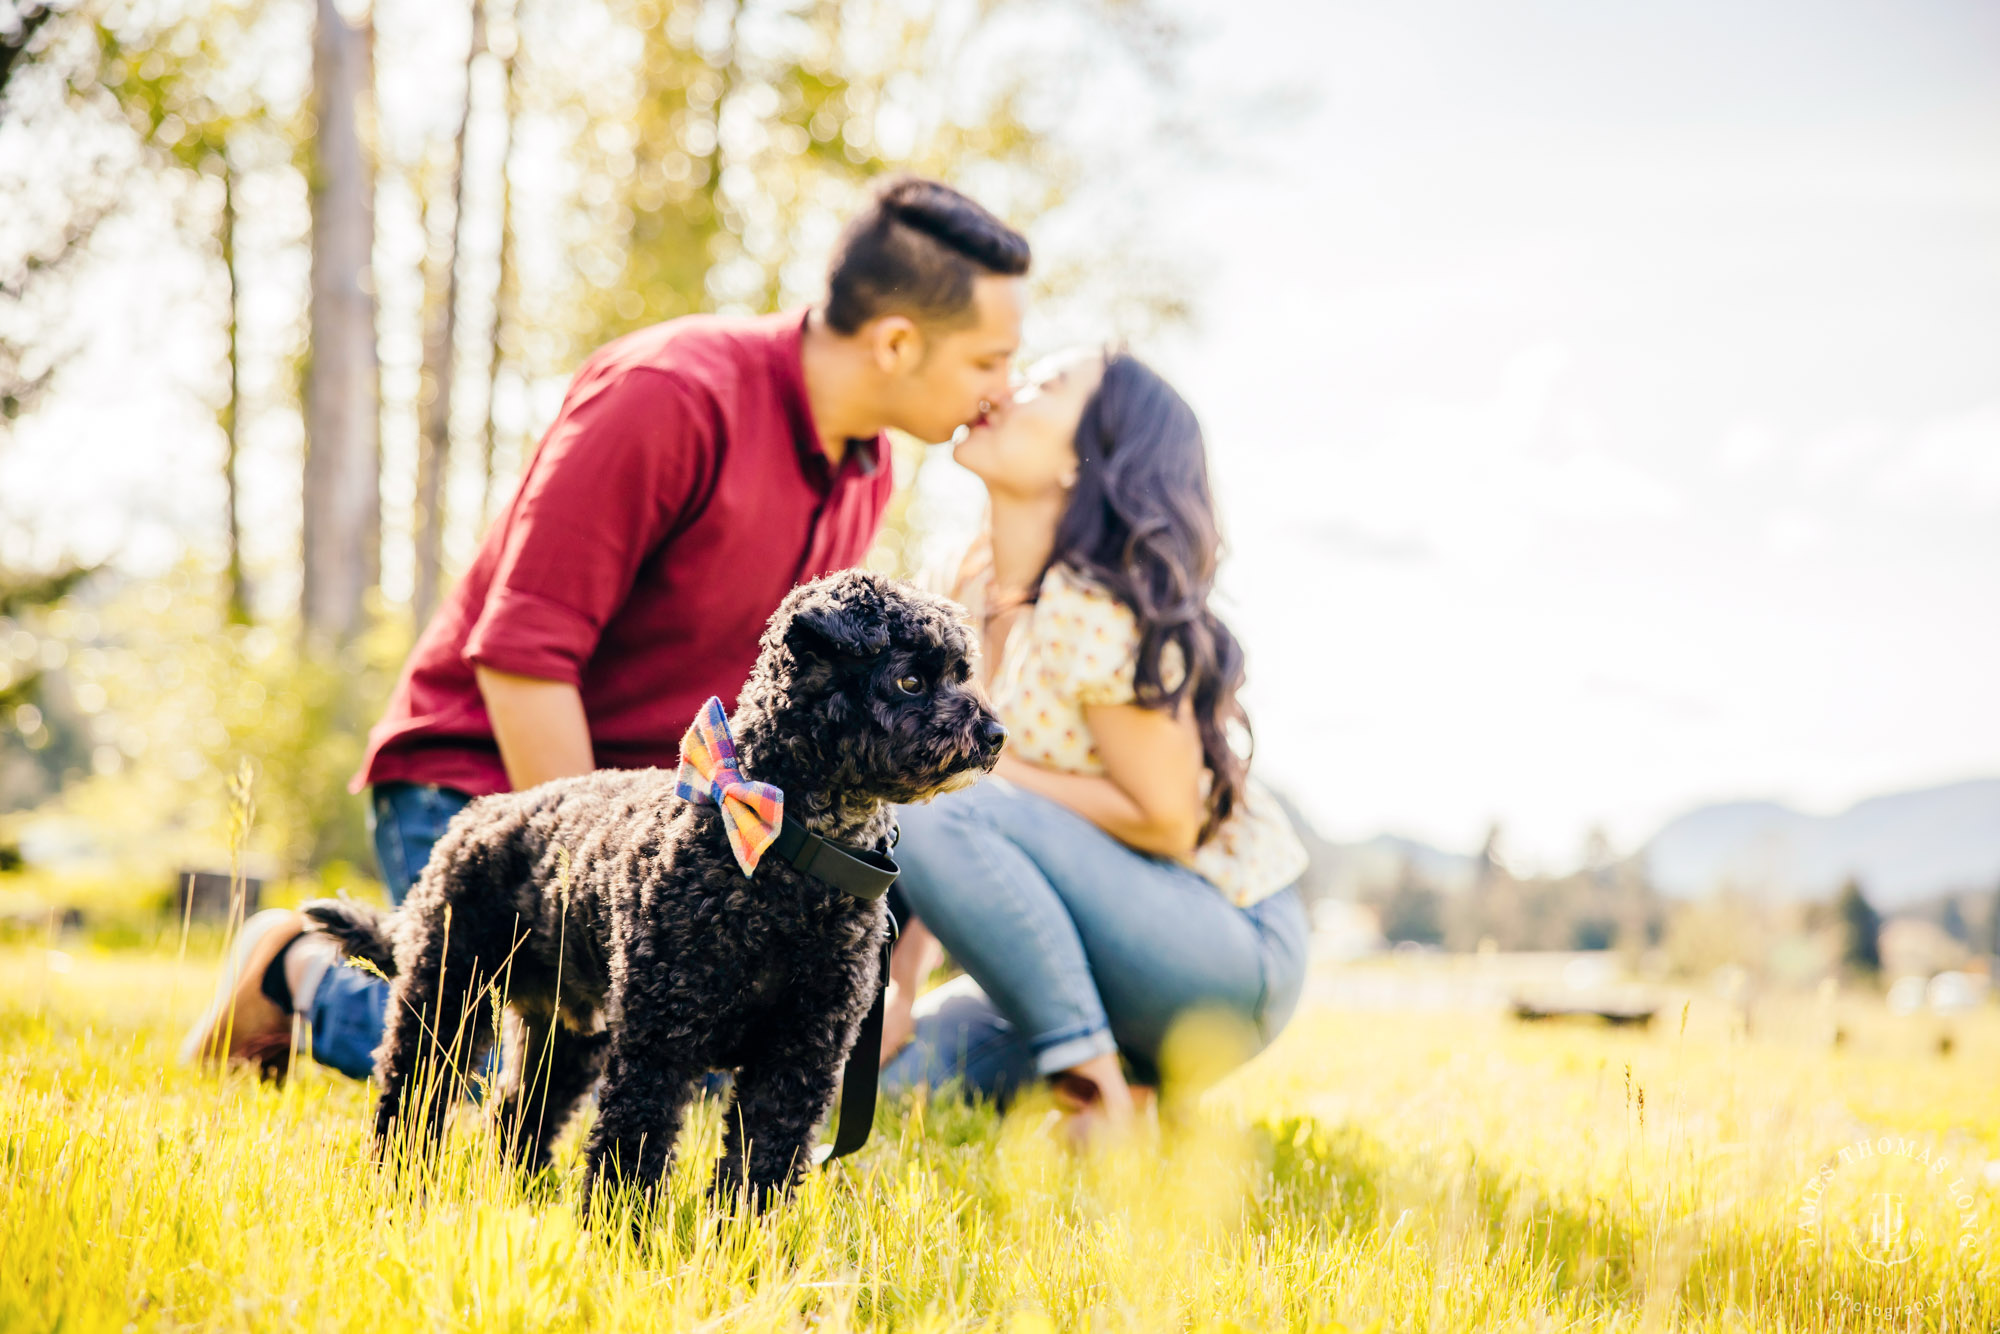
404	819
1074	945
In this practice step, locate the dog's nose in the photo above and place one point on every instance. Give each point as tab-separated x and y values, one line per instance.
992	735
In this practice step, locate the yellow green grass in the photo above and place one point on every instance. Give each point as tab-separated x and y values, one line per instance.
1441	1171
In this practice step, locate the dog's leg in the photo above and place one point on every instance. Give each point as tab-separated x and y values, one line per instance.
549	1069
786	1088
649	1079
437	1032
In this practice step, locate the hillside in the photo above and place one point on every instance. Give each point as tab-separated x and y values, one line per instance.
1902	847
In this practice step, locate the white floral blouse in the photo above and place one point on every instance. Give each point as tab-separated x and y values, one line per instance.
1078	645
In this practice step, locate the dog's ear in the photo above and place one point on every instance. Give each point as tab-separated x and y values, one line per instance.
833	625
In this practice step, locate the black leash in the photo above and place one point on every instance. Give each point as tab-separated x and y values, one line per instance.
866	875
860	1081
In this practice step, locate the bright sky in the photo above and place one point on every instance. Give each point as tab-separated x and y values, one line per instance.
1606	406
1604	402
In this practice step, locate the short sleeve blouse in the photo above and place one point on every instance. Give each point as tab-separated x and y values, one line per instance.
1078	645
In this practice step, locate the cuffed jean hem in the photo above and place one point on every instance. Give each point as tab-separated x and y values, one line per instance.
346	1018
982	1052
404	821
1067	1051
1074	944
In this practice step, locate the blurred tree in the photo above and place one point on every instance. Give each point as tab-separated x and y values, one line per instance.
69	76
1951	920
51	214
752	127
167	698
37	714
342	492
1599	860
1412	910
189	89
1993	924
441	345
31	351
1636	907
23	593
19	22
504	295
1597	907
1861	930
1491	868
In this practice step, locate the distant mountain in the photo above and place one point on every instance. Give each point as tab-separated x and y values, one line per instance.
1901	848
1348	870
1449	871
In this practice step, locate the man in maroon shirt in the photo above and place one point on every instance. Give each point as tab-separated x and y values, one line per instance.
697	471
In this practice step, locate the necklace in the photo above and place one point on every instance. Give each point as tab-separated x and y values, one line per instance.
998	606
1001	602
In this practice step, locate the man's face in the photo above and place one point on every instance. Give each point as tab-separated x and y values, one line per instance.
963	371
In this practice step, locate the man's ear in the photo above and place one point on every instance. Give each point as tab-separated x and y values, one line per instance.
896	343
829	629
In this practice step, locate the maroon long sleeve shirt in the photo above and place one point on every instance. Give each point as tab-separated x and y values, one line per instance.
679	495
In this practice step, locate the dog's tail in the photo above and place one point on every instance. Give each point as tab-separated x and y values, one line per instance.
361	931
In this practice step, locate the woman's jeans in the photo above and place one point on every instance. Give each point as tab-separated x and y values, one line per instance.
404	819
1074	945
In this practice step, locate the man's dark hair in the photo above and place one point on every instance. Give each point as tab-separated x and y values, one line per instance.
915	250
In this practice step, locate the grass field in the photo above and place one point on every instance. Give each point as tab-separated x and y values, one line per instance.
1442	1170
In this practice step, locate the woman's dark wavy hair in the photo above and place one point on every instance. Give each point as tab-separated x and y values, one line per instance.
1141	523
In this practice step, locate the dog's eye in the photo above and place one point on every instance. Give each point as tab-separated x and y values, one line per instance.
910	685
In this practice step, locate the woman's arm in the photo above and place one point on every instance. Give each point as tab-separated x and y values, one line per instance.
1149	796
917	952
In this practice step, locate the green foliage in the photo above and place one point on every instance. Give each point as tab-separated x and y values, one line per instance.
21	593
750	128
1413	912
175	698
192	81
1594	909
1861	931
172	79
43	747
1951	920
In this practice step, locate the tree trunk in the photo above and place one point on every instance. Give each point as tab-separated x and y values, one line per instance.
343	502
239	584
440	348
502	283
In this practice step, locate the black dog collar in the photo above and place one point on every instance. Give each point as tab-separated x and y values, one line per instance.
864	874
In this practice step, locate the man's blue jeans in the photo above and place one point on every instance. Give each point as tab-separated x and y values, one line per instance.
1075	945
404	819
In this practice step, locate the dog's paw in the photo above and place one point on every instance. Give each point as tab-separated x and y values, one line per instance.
730	1191
611	1203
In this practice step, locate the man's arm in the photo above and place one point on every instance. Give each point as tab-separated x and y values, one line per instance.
539	725
616	470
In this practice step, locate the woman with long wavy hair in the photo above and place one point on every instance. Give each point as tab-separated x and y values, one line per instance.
1119	872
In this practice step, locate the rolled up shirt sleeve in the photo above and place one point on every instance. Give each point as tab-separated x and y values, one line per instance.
613	476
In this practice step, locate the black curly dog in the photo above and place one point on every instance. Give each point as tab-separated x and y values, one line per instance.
610	916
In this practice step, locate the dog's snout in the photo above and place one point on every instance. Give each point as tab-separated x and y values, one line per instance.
992	735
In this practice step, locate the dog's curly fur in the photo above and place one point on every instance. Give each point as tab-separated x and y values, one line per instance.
611	916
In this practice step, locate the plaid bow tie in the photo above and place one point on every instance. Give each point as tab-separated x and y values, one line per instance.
752	813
